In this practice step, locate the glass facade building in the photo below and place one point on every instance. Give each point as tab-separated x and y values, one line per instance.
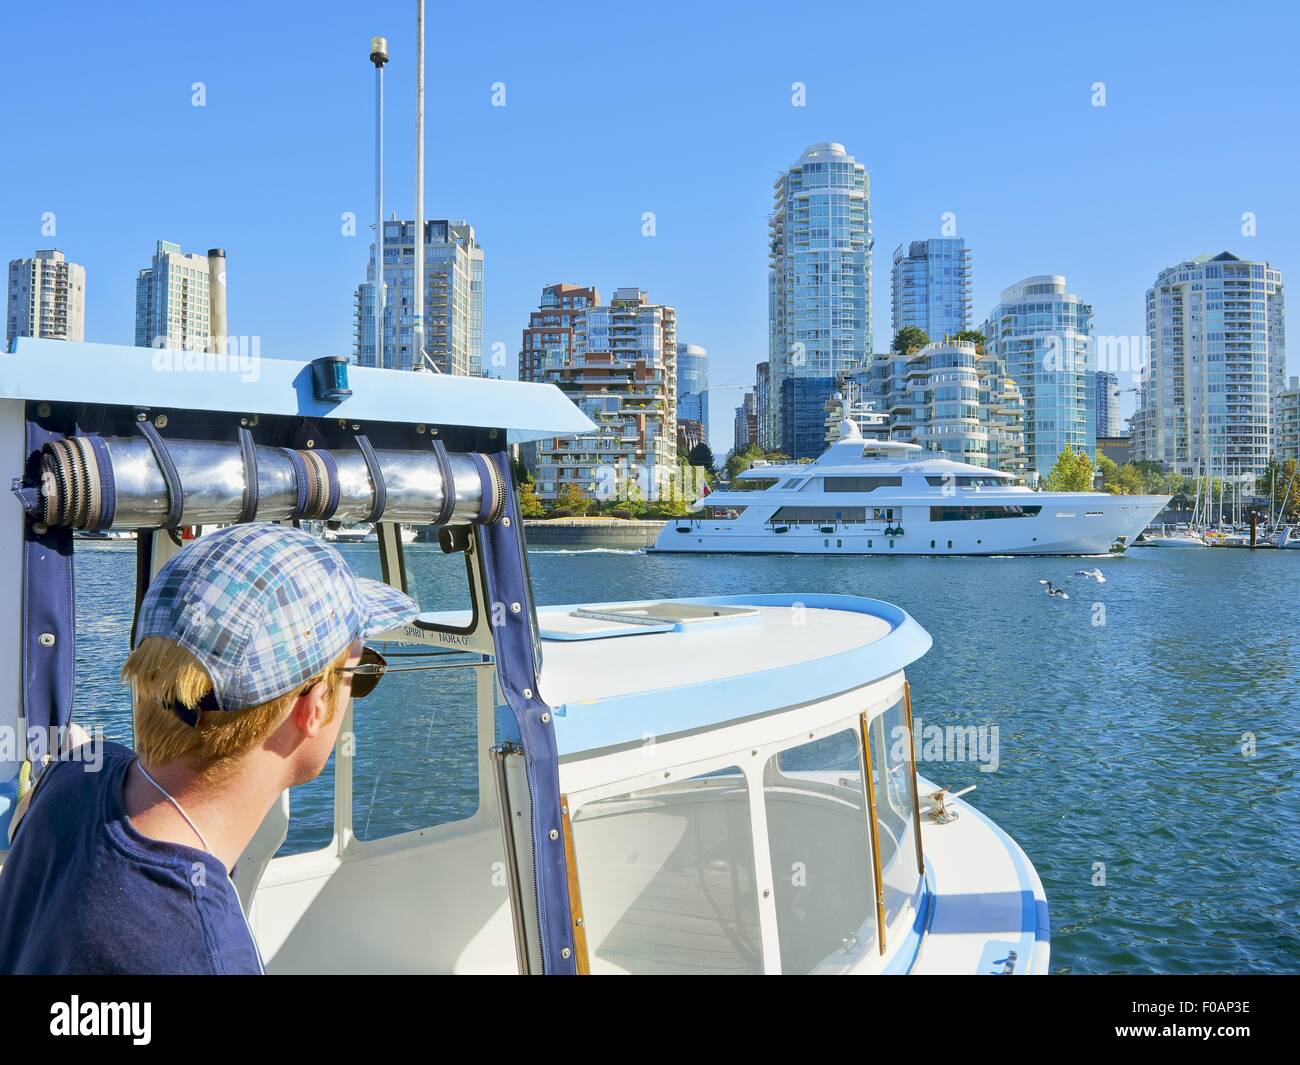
453	299
693	385
952	398
803	415
1288	421
1108	422
1042	334
932	287
1217	367
819	281
745	427
763	405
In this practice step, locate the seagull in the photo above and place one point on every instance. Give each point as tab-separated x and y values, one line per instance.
1091	574
1055	593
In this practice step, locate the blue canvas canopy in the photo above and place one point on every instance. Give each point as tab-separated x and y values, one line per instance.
60	371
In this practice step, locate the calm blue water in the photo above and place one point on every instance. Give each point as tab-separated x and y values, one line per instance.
1119	744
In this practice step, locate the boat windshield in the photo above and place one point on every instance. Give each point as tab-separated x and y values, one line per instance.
668	878
817	832
891	767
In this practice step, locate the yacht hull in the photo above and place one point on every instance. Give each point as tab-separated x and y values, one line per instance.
1065	525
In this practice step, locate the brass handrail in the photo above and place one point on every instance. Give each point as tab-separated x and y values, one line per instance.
875	831
581	957
916	801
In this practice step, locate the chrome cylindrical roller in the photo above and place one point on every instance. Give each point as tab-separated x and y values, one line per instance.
212	483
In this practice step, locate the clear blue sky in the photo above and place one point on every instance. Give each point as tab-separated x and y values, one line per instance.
613	110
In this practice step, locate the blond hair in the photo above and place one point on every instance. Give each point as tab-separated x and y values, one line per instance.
163	674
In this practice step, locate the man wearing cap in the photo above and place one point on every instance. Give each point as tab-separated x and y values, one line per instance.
246	644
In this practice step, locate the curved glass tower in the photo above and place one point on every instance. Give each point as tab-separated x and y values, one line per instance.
693	385
1043	334
819	290
1216	370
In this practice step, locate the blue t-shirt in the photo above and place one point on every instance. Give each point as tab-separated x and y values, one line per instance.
82	891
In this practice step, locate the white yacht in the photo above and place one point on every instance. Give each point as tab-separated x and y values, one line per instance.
885	497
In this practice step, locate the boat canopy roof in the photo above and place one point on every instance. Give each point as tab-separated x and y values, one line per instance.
61	371
616	673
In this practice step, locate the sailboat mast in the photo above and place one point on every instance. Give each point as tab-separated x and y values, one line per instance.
379	56
417	354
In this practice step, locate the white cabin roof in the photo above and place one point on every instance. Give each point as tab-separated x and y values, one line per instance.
611	683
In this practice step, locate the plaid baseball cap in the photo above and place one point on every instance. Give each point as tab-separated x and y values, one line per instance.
264	608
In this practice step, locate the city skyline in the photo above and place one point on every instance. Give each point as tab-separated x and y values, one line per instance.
289	145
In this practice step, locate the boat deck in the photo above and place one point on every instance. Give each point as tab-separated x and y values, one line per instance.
988	909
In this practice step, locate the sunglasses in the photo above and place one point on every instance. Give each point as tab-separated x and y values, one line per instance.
368	672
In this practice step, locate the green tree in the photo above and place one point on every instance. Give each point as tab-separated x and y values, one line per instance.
529	505
971	336
572	498
739	462
673	508
910	339
1155	482
1280	485
633	499
1130	481
1072	472
701	455
1109	471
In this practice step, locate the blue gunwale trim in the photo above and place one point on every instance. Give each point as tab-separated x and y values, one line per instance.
624	719
904	958
63	371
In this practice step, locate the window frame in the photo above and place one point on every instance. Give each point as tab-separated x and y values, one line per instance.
591	776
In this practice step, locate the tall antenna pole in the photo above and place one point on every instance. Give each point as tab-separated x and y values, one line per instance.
418	355
379	56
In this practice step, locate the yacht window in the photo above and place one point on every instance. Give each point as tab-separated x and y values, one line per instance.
814	515
719	513
817	833
972	513
860	484
667	878
962	481
793	482
754	484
